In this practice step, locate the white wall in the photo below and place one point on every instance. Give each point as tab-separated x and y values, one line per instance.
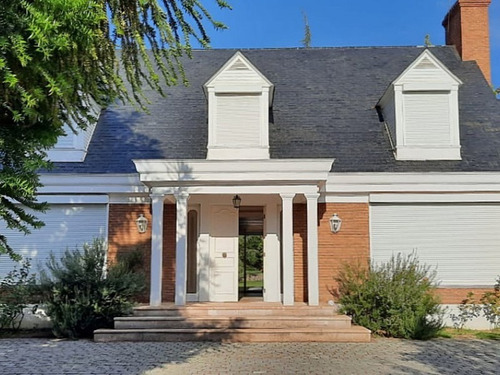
67	226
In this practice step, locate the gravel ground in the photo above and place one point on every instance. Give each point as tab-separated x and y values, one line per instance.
381	356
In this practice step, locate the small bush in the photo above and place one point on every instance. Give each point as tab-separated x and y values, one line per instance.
467	310
488	304
82	295
16	290
394	299
491	305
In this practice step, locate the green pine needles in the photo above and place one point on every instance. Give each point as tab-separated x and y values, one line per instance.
61	61
393	299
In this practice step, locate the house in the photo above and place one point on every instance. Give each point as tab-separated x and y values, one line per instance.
335	154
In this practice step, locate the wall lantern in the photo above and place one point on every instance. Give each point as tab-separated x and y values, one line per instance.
142	224
236	201
335	223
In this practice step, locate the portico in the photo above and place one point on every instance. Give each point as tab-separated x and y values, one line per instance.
204	188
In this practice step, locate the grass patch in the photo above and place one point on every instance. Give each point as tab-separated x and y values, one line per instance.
252	284
452	333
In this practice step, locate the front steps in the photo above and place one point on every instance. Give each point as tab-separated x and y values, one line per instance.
234	322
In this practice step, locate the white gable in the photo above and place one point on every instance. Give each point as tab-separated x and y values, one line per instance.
238	75
427	72
239	97
421	111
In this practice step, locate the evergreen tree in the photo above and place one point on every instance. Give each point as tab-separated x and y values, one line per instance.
58	64
306	42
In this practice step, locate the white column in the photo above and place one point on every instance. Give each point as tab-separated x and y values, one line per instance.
156	249
272	276
287	240
181	248
312	249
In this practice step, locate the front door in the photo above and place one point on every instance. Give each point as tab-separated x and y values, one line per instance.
224	253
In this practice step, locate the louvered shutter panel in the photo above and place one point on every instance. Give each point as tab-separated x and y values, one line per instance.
462	240
66	227
427	119
238	120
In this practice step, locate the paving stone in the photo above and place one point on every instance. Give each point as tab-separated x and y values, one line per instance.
382	356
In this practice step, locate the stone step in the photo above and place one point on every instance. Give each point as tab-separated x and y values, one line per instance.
232	310
250	321
352	334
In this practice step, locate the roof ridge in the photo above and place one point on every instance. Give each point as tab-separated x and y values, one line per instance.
312	48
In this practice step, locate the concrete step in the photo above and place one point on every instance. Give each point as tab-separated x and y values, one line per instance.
352	334
233	310
249	321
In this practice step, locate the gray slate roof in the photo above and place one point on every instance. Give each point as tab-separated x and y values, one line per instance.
323	108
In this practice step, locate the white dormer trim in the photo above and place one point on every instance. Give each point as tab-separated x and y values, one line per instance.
428	55
238	84
73	145
426	85
72	148
241	87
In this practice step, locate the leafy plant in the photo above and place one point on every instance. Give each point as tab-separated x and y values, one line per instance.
488	304
467	310
15	292
394	299
81	294
491	305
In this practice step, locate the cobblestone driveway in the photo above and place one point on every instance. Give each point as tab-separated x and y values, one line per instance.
382	356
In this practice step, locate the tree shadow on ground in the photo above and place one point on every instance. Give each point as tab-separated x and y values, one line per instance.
45	356
453	356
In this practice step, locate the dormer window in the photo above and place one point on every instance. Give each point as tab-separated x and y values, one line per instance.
72	147
239	97
421	111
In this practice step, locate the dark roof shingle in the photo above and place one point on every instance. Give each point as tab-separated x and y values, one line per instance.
324	107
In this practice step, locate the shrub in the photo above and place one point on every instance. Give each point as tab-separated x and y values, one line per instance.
81	294
394	299
15	293
469	308
491	305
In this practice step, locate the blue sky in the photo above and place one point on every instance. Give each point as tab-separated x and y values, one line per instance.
334	23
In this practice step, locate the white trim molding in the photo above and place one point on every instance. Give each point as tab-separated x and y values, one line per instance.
73	199
425	182
154	172
435	198
80	183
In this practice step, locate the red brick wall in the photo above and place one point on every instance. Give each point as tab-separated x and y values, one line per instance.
300	251
457	295
467	27
351	244
169	242
124	238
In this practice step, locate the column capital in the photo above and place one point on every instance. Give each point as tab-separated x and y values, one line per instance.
311	196
287	195
156	194
181	195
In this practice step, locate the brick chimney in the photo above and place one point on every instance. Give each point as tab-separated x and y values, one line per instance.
467	27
